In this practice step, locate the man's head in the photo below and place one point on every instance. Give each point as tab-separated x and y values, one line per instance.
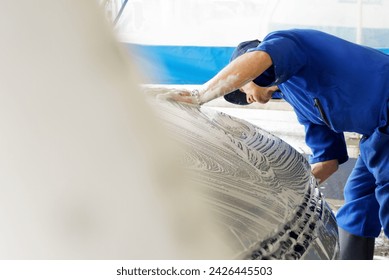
251	92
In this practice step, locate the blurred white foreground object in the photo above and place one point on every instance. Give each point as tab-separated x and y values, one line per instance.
81	156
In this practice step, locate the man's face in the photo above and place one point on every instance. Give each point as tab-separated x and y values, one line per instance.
256	93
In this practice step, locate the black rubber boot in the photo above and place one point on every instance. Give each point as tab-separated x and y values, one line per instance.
354	247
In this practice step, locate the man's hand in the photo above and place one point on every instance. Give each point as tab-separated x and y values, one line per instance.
322	170
182	95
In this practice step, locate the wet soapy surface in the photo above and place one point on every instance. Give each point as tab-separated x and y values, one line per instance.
259	190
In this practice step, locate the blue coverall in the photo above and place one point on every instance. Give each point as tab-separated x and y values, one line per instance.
336	86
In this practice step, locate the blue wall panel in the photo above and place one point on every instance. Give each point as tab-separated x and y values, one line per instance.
182	64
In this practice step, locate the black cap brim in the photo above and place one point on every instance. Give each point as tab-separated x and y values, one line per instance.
236	97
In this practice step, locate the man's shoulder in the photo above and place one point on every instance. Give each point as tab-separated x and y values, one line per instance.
296	33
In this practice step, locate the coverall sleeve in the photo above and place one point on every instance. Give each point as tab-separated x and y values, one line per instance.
325	143
287	55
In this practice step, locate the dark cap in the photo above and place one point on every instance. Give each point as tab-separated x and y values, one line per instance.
238	97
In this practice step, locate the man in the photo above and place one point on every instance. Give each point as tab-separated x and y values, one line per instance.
333	86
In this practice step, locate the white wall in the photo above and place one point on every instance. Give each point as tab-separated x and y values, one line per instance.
228	22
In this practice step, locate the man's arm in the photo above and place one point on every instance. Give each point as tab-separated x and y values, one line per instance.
322	170
239	72
328	147
236	74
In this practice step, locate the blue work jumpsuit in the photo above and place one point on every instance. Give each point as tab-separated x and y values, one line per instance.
336	86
